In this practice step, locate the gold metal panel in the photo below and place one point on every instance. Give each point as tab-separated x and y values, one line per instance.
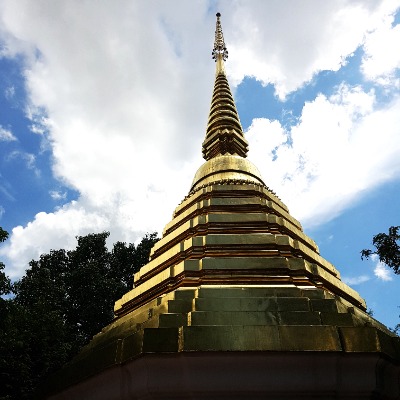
230	338
238	218
162	276
315	338
318	259
161	340
314	293
299	264
245	263
193	241
184	215
190	200
337	319
278	201
169	320
242	239
317	270
230	167
299	318
135	314
224	291
180	306
326	305
171	252
229	318
187	265
367	339
236	201
185	293
236	304
293	303
132	346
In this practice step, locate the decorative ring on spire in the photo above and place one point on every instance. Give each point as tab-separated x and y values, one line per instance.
219	49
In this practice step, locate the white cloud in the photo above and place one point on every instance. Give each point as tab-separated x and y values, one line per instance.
356	280
57	195
9	93
335	154
382	57
127	218
382	272
124	108
6	135
29	160
26	243
287	44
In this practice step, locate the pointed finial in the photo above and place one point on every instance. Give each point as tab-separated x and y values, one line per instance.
224	132
220	51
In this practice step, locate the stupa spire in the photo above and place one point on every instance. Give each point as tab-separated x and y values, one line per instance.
220	52
224	132
235	301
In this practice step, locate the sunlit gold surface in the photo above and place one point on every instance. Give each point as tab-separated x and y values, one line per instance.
226	168
224	133
220	52
233	272
233	233
215	318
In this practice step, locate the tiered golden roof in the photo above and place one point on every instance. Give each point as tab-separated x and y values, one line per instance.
224	132
234	271
231	229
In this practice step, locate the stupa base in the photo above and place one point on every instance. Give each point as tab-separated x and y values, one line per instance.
244	375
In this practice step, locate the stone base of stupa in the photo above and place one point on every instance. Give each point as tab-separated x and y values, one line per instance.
244	375
237	343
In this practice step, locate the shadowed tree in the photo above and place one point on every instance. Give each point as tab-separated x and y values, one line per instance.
387	248
63	299
5	283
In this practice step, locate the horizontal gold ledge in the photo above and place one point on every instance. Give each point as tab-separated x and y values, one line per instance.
232	164
251	206
287	303
234	246
258	210
231	271
129	303
235	191
291	347
260	233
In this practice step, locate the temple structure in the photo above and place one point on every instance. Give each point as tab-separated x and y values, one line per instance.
236	301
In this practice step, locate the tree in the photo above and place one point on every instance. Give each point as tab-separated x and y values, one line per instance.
63	299
388	251
387	247
5	283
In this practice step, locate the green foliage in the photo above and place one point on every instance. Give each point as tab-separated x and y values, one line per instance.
63	299
3	235
5	283
387	248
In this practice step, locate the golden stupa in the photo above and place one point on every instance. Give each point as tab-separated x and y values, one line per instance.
236	301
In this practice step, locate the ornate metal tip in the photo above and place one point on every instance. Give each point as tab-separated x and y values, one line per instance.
219	49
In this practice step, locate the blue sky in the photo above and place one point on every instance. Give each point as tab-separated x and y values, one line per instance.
103	110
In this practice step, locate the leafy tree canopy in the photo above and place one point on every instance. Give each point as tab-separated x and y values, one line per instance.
387	248
5	283
63	299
